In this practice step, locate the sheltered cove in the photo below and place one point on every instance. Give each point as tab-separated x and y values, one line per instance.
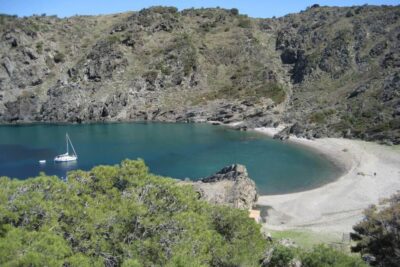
171	149
372	173
336	205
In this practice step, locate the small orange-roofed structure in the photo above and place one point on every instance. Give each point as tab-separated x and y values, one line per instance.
255	214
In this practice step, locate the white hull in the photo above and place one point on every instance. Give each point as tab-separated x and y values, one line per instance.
65	158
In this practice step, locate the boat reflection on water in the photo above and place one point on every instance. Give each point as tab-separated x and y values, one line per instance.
67	166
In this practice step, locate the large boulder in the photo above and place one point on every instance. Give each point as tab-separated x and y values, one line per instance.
230	186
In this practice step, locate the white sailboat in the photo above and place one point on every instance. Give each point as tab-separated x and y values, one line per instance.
67	157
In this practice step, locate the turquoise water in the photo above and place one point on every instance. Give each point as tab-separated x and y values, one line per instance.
175	150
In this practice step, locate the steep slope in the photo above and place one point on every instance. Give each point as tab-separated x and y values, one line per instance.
153	64
327	71
345	69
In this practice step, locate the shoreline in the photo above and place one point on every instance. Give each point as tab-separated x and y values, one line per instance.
370	172
342	165
335	206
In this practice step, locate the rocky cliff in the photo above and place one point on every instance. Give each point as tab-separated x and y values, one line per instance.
325	71
230	186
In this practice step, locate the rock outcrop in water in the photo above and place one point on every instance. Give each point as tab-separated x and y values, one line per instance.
230	186
332	70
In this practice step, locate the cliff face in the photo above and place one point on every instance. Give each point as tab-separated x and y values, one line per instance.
333	71
231	186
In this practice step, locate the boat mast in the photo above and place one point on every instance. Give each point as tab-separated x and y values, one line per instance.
71	145
66	140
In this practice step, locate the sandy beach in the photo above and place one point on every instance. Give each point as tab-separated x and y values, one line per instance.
371	172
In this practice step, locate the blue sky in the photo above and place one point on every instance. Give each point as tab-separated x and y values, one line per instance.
253	8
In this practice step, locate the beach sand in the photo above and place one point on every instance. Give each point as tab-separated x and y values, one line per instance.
370	172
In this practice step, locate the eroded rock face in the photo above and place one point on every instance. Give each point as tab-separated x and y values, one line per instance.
230	186
324	72
103	61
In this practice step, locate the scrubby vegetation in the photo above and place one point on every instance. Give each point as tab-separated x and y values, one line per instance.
120	216
59	57
378	235
124	216
319	256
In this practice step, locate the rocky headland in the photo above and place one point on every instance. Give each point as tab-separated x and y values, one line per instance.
230	186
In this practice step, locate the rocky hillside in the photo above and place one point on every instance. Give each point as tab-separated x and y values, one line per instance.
326	71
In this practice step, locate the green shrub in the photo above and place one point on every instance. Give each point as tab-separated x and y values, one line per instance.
282	256
323	256
349	14
244	22
6	18
22	247
160	9
189	61
165	69
150	76
39	47
114	38
379	233
274	91
120	216
234	11
321	116
318	117
271	90
188	52
319	256
59	57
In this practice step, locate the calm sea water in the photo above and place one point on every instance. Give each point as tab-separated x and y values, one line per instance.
175	150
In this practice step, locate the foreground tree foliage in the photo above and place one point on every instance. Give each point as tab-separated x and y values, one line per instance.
120	216
319	256
378	234
124	216
322	256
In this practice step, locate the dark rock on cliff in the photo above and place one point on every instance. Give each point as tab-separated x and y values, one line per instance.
24	109
102	61
358	91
